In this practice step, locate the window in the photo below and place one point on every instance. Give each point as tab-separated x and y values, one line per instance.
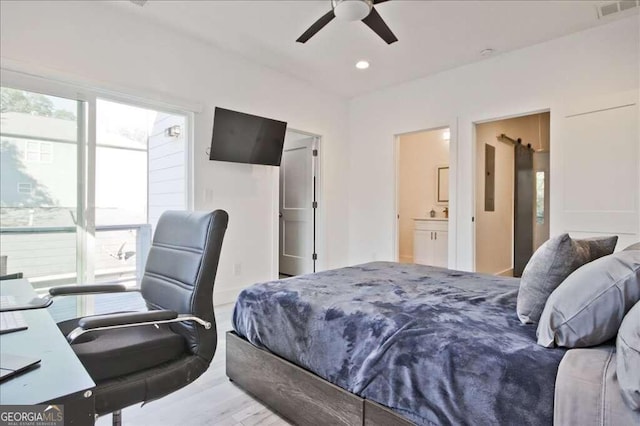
540	198
85	215
121	162
24	188
39	152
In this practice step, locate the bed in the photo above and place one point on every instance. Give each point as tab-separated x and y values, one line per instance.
387	343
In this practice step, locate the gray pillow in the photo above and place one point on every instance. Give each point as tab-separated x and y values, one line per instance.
550	265
588	307
635	246
628	358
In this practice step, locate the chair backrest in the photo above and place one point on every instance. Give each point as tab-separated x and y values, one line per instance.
181	270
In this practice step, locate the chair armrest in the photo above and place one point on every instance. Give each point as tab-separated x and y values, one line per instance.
125	318
130	319
70	290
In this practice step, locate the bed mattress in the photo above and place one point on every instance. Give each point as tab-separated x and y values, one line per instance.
587	390
435	345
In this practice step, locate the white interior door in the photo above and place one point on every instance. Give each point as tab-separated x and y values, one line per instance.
296	206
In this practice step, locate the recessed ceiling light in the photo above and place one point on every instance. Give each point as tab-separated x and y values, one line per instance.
362	65
486	52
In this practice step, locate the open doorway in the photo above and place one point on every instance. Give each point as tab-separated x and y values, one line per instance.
298	204
512	192
422	176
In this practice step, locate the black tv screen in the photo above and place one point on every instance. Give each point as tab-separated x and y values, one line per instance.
246	138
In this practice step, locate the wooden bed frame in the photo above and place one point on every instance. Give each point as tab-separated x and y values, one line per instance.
297	394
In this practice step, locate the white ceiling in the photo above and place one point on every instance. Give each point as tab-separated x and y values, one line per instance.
433	35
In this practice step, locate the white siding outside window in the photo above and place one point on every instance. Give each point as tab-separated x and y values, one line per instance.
167	185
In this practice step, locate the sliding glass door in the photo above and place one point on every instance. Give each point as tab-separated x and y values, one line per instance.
41	142
83	184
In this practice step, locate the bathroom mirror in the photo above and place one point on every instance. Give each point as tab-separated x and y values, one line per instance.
442	180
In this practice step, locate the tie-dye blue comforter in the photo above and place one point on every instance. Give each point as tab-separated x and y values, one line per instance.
435	345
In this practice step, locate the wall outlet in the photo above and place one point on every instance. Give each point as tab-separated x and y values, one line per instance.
237	269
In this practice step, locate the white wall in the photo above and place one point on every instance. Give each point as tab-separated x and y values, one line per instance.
596	190
106	45
420	155
551	75
494	229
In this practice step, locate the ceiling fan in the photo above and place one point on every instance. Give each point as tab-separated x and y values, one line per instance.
353	10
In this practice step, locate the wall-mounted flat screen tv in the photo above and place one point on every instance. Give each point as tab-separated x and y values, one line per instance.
246	138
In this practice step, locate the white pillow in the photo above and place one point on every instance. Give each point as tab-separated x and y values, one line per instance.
588	307
628	358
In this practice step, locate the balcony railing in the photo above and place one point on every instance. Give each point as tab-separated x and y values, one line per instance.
48	256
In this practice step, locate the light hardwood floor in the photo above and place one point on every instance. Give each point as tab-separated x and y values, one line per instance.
211	400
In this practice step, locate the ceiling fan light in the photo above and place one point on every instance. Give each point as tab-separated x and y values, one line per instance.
352	10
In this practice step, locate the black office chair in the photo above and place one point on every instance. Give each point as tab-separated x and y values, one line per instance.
141	356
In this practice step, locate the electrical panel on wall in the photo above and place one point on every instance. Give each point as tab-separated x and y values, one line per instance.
489	178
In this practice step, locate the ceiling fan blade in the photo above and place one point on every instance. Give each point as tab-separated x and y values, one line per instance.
317	26
379	1
376	23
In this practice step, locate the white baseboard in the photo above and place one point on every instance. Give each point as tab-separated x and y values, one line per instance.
226	296
505	273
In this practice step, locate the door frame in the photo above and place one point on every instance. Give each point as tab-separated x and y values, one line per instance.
474	168
451	224
319	214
